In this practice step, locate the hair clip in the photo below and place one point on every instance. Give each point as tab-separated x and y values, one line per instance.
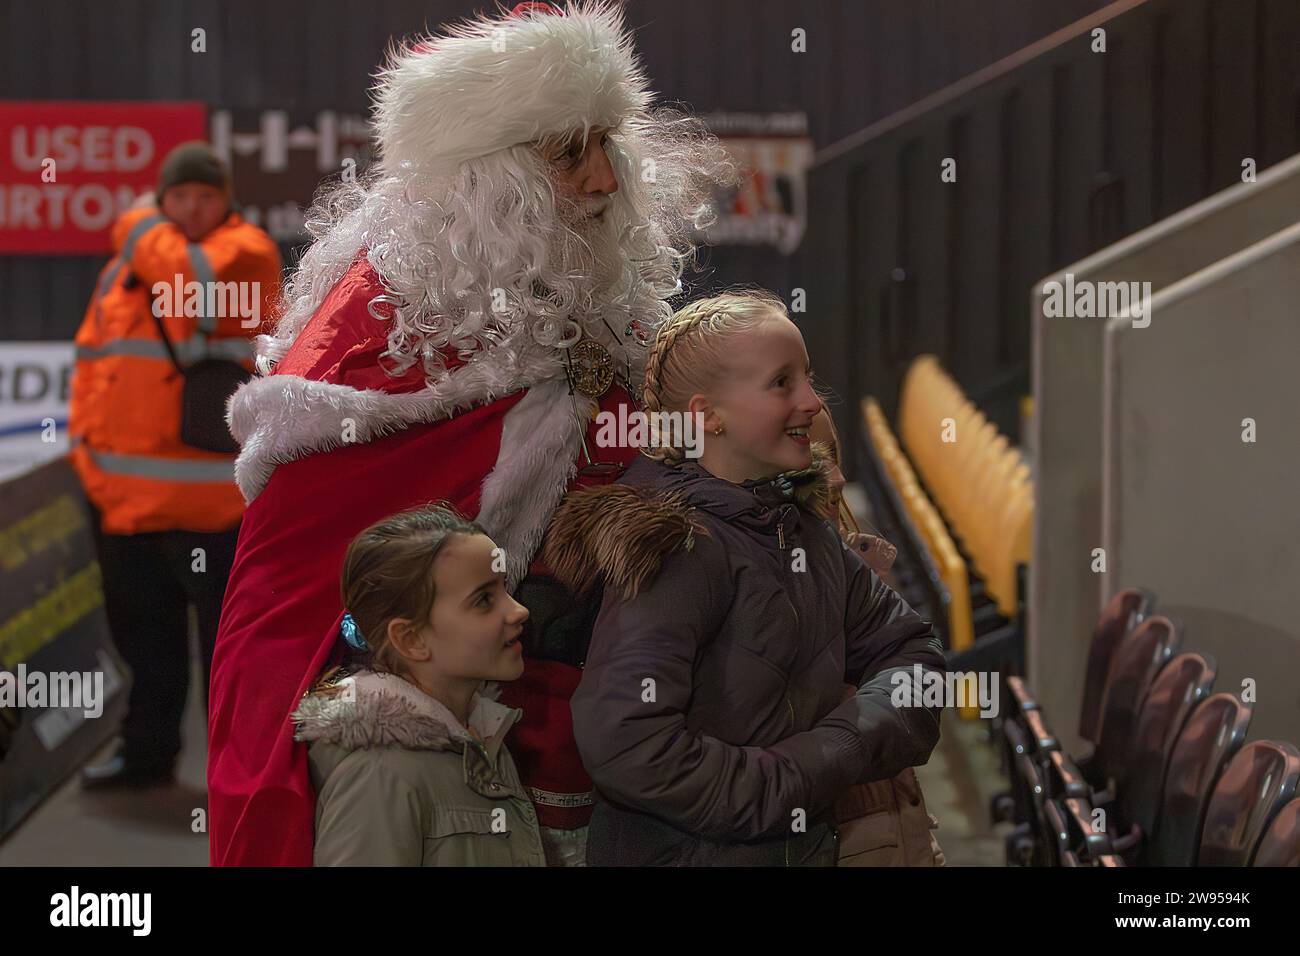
351	633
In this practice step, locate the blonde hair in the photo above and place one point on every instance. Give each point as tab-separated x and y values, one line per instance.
688	351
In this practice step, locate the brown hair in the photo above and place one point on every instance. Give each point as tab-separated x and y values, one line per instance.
388	574
688	350
879	558
844	517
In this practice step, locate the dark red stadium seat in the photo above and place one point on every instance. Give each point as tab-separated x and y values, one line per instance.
1183	684
1257	782
1134	666
1124	612
1212	736
1038	768
1280	845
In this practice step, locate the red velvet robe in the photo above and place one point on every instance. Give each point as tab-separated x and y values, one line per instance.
279	625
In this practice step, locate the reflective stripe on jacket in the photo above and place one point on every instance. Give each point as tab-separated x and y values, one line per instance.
125	413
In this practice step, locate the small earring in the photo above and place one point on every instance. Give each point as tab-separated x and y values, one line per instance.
719	430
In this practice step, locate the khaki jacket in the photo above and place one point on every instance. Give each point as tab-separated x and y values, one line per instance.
400	783
885	823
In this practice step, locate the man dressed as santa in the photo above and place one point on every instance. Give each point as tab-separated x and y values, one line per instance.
464	313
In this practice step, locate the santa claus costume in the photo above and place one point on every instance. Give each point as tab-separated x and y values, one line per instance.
450	335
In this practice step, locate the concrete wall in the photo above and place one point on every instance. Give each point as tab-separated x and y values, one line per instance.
1066	443
1206	520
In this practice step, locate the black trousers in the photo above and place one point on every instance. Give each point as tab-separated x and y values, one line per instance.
150	581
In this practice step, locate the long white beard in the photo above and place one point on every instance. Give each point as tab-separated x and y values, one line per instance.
593	255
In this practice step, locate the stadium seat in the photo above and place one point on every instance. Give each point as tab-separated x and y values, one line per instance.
1280	845
1183	684
1026	767
1124	612
1255	785
979	483
1134	667
1213	735
1056	798
941	551
1130	819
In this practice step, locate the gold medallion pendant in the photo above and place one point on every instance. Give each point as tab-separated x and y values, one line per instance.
592	368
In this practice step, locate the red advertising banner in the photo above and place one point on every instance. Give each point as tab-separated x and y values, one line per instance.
68	169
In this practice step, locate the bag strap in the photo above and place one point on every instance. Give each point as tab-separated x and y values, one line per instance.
167	342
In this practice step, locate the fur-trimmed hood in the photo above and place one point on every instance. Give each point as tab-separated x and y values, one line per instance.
619	534
368	710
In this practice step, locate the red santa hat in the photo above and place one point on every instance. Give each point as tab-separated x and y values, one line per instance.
491	83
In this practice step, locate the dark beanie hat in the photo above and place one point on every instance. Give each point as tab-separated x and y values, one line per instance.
193	162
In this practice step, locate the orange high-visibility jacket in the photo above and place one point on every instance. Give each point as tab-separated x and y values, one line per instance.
125	414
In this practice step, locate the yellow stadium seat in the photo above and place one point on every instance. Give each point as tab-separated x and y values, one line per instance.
978	483
931	528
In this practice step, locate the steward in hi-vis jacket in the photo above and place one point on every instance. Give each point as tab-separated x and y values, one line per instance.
168	512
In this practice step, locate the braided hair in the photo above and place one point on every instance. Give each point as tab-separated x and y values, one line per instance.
687	355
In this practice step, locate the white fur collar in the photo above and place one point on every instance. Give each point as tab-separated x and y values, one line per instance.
383	710
280	418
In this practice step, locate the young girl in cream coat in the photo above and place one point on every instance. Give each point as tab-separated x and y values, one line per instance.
407	753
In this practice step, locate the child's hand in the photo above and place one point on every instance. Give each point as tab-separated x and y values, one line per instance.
876	551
